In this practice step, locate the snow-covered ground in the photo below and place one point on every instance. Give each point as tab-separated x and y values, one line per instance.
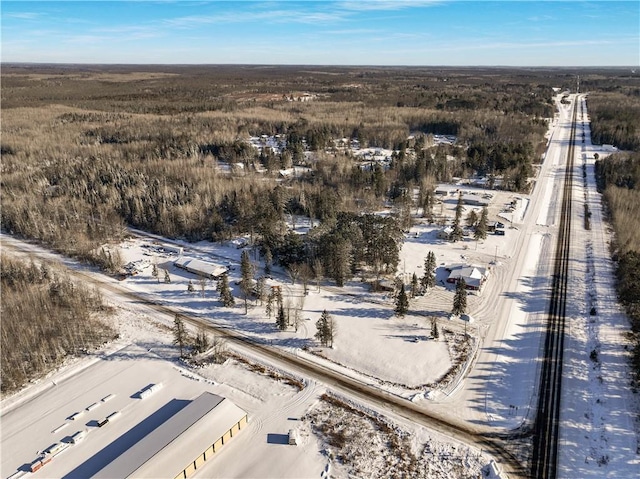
396	354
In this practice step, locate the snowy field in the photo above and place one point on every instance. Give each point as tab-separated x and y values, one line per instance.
497	393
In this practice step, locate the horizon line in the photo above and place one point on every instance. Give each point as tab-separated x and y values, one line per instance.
324	65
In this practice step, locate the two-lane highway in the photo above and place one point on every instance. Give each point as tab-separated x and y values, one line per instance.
547	426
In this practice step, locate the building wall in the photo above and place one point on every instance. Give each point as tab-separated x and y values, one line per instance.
208	454
211	450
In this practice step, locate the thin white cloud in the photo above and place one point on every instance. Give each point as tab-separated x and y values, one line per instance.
22	15
129	30
87	38
368	5
353	31
542	18
273	16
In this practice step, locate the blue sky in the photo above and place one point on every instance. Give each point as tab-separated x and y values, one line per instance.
356	32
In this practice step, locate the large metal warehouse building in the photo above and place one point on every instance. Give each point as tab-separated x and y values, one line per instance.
201	268
182	444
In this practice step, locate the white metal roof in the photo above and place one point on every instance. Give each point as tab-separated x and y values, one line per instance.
473	275
199	267
170	447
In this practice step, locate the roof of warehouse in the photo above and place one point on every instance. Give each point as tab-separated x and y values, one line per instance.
170	447
198	266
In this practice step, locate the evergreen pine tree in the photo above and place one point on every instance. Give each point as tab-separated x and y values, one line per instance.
460	298
269	306
154	272
225	292
331	330
434	329
190	287
167	278
481	228
246	281
472	218
281	319
180	337
456	234
402	302
325	329
414	286
429	278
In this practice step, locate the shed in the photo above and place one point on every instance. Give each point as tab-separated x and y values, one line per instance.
474	200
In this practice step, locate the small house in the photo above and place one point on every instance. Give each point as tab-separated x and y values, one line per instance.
445	233
474	276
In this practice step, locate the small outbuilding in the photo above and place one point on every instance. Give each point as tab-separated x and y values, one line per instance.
293	437
474	200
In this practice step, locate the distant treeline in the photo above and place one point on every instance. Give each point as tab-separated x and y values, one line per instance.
45	318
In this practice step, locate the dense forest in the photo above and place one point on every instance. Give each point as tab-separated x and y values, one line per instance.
45	318
87	151
614	111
